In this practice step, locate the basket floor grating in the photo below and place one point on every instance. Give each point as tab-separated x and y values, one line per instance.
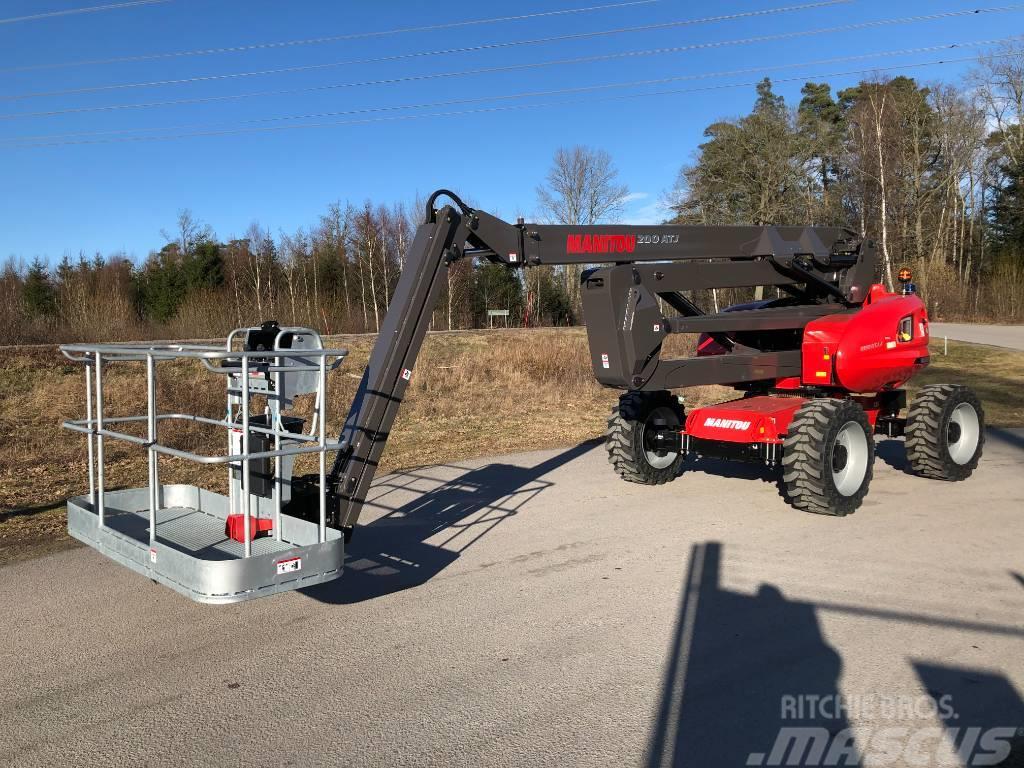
190	531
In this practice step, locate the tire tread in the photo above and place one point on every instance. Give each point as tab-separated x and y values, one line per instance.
925	432
621	438
805	484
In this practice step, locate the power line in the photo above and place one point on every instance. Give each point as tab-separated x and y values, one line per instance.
74	11
528	94
335	38
380	59
505	68
486	110
308	89
329	39
460	113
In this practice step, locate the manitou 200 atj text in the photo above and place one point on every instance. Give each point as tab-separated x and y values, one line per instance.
819	371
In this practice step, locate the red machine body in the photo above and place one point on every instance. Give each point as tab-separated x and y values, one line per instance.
878	347
871	351
760	419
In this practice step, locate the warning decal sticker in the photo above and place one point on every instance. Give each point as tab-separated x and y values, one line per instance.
290	565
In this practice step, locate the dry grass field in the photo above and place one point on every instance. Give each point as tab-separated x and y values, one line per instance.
472	394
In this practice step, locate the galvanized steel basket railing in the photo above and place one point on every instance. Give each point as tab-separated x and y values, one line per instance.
217	360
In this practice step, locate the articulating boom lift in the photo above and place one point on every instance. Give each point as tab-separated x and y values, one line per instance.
819	369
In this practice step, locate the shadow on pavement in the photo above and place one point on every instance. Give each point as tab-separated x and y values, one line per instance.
738	469
751	681
1011	437
12	513
743	678
392	553
982	712
893	452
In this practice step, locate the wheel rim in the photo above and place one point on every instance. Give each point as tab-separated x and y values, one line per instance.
962	433
659	417
849	458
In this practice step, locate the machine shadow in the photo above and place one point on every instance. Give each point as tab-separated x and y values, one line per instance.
28	511
981	711
892	451
392	552
1012	438
742	674
10	514
736	469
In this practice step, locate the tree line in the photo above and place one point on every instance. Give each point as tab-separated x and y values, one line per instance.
338	276
932	172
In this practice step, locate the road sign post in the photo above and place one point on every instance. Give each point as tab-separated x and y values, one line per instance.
493	313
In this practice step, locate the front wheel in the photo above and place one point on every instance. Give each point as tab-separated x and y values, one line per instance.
945	432
631	450
828	457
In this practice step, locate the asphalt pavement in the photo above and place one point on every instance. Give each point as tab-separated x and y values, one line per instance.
1009	336
535	610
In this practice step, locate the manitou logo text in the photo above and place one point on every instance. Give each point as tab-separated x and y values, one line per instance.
727	424
600	244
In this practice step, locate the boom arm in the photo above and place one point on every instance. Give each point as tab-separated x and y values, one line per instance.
827	269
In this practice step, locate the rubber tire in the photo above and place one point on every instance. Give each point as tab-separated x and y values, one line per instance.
927	422
807	481
624	437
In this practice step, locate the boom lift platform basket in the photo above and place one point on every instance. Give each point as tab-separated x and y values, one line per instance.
211	547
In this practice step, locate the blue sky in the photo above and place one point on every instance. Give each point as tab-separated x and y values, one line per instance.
118	196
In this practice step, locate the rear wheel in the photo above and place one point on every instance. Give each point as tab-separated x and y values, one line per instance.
828	457
631	450
945	432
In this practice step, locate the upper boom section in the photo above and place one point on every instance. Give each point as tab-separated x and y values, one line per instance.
834	259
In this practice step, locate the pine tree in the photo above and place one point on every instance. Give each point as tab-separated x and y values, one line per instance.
821	123
38	292
161	285
1006	209
204	267
769	103
749	171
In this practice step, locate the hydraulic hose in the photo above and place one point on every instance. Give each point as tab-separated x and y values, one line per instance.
431	212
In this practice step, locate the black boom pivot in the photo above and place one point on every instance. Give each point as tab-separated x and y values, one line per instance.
821	271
